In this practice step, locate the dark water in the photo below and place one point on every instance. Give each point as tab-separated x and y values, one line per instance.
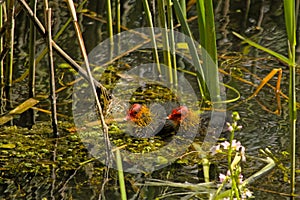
262	21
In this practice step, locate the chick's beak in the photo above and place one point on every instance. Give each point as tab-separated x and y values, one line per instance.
127	118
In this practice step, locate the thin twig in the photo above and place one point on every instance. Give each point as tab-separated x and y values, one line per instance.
32	63
51	69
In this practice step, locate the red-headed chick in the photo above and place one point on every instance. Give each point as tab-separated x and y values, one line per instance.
139	114
179	114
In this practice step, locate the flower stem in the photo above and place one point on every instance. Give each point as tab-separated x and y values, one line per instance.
234	188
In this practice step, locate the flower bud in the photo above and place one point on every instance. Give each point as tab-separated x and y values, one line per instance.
235	116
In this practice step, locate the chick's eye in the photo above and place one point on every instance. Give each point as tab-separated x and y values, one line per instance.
178	115
135	112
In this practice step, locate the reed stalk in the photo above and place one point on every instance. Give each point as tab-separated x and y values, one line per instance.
32	64
152	34
109	21
32	37
165	38
117	24
121	175
110	31
51	69
180	64
91	81
118	16
183	7
1	63
10	58
290	23
172	42
59	33
1	48
40	28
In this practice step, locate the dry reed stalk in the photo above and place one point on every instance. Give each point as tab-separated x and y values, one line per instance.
109	155
56	47
51	69
10	58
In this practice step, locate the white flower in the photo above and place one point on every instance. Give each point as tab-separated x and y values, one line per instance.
215	149
230	127
225	144
222	177
242	152
236	145
246	194
240	179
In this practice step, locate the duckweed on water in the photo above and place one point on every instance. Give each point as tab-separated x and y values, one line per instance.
27	158
26	150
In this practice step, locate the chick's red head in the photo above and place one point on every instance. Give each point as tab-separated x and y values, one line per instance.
179	114
133	112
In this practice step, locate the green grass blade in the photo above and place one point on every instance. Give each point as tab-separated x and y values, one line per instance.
211	63
210	36
290	23
121	175
271	52
191	45
170	17
201	21
152	34
110	32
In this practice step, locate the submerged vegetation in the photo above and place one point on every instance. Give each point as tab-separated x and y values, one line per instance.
145	113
